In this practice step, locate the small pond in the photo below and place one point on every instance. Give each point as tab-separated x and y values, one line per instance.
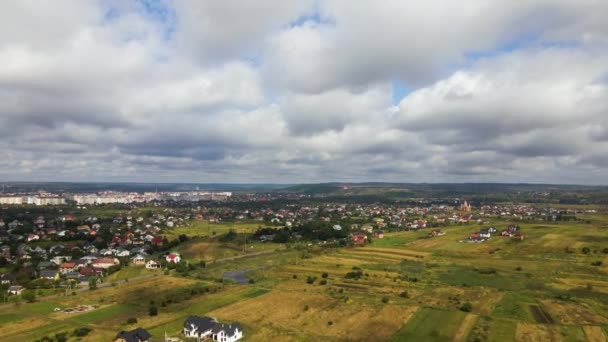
237	276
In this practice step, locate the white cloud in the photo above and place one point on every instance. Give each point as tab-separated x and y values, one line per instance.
298	92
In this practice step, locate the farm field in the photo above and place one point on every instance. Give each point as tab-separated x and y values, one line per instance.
403	287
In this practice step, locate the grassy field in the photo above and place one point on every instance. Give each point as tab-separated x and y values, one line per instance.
402	287
207	229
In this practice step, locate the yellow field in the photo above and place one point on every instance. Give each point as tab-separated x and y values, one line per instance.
594	334
308	315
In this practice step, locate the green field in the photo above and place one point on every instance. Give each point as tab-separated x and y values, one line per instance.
430	325
404	287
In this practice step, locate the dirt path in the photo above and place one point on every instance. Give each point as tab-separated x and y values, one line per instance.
241	256
465	328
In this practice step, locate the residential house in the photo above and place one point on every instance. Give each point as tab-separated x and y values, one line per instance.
122	253
138	260
60	259
173	257
157	241
199	327
8	278
136	335
80	263
5	251
33	237
49	274
67	267
359	239
105	263
151	264
72	275
16	289
210	328
227	332
484	233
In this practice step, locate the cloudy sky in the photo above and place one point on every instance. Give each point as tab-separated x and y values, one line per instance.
279	91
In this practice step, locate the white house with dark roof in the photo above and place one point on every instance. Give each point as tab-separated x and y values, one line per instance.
209	328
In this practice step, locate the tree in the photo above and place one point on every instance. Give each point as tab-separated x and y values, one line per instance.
153	311
93	283
29	296
586	250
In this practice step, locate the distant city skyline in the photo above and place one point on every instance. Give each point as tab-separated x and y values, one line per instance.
294	92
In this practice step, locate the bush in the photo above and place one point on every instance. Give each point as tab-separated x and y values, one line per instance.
596	263
330	323
354	275
404	294
384	299
295	276
323	282
466	307
325	275
29	296
311	280
80	332
251	281
153	311
61	337
518	268
585	250
306	307
131	320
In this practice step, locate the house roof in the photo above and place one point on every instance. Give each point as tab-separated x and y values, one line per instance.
200	323
103	261
8	276
68	265
229	329
135	335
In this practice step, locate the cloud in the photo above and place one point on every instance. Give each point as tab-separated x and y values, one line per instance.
276	91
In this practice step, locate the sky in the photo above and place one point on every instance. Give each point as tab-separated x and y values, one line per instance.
274	91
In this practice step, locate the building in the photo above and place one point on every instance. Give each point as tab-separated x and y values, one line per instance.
135	335
138	260
48	199
67	267
209	328
105	263
11	199
16	289
152	265
173	257
466	207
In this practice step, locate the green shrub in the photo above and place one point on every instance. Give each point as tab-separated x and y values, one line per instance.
466	307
